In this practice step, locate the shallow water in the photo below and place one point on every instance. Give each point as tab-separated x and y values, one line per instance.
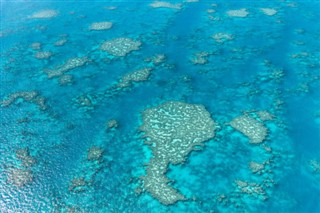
231	65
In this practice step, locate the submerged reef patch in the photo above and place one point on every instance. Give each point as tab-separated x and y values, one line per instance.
25	157
36	46
94	153
61	42
253	189
105	25
162	4
78	184
265	115
70	64
315	166
256	167
43	55
222	37
200	58
238	13
269	11
44	14
156	59
112	124
120	46
172	130
136	76
250	127
19	177
65	80
28	96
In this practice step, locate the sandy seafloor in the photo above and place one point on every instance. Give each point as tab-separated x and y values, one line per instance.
265	63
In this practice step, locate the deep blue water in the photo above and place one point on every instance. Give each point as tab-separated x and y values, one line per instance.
238	76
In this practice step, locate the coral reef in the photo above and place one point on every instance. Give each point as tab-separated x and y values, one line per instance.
36	45
265	115
29	96
315	166
60	42
162	4
44	14
85	100
250	127
106	25
84	178
78	185
269	11
135	76
200	58
112	124
120	46
94	153
172	130
157	184
19	177
65	79
67	66
25	157
238	13
256	167
222	37
43	55
252	189
156	59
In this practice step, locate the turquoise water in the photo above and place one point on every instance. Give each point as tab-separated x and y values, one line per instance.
259	62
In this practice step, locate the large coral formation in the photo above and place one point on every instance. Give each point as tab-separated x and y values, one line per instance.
44	14
94	153
43	55
200	58
112	124
253	189
70	64
28	96
65	80
135	76
172	130
162	4
238	13
269	11
156	183
256	167
222	37
120	46
315	166
78	185
265	115
250	127
100	25
25	157
19	177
